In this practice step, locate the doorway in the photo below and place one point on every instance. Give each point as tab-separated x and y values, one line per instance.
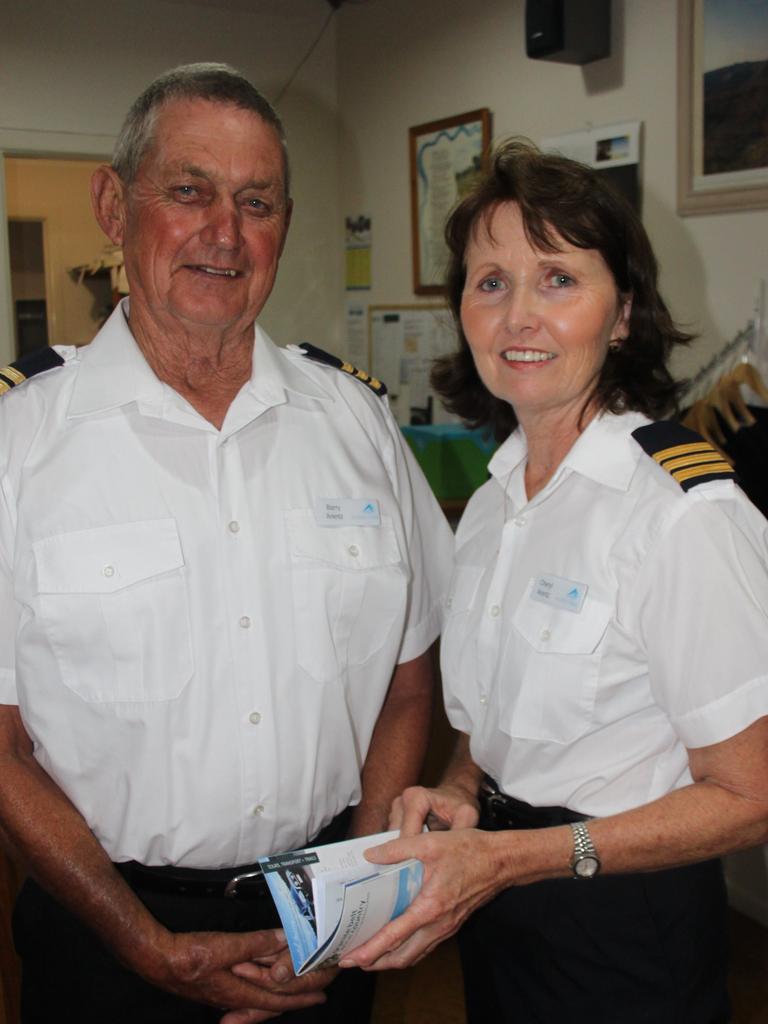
27	249
52	235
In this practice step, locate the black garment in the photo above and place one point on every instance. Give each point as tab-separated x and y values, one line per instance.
748	447
70	977
645	948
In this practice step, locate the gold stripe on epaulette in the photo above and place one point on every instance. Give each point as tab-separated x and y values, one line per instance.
12	374
705	470
700	459
348	368
4	387
682	449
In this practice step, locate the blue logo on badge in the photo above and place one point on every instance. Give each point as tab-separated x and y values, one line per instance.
369	508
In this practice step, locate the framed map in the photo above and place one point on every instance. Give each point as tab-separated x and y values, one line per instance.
446	159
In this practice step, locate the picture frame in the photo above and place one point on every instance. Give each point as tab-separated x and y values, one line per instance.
722	159
445	158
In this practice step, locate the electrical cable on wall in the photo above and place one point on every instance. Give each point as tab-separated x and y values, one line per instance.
308	54
335	5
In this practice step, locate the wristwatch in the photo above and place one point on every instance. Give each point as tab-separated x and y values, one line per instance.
584	863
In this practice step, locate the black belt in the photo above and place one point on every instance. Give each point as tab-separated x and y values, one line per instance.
244	883
499	811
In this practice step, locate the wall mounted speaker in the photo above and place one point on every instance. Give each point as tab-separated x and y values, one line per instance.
568	31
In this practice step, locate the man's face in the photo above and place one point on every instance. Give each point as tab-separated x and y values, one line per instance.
204	221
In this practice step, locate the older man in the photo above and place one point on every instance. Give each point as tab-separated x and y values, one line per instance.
219	579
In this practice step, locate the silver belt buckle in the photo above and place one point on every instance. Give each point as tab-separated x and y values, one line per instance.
494	800
230	889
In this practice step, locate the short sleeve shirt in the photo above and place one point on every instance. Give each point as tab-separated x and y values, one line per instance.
198	649
597	631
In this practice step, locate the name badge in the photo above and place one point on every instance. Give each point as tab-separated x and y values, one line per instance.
560	593
347	512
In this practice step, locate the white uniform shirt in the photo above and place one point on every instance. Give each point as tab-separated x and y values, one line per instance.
596	631
199	663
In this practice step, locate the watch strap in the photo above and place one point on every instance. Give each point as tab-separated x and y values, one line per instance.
583	851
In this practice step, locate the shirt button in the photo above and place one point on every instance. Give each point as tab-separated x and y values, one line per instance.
545	634
354	550
108	570
245	622
495	611
449	602
258	810
234	526
254	718
483	698
520	521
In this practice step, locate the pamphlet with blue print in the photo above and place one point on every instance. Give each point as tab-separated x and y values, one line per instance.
331	899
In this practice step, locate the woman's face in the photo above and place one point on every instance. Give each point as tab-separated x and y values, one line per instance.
538	323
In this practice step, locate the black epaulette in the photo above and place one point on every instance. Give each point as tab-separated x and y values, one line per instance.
43	359
683	453
321	356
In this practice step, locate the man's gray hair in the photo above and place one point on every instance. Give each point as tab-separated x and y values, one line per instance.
218	83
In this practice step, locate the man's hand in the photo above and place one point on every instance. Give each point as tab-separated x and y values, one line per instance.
232	971
445	807
278	971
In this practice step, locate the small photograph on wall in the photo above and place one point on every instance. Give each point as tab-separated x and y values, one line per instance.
612	149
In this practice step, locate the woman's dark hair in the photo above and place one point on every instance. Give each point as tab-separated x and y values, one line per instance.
558	196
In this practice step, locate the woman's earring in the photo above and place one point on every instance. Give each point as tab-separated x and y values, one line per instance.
614	345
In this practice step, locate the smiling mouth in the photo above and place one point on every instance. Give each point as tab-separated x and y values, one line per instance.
215	271
527	355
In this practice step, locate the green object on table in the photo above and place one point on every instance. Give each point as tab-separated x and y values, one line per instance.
453	458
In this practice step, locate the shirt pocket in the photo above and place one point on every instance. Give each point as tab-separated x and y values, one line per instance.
349	592
114	605
550	674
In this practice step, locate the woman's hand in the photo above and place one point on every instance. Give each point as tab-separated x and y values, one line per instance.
447	806
461	873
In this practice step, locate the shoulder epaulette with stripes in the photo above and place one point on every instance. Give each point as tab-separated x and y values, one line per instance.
321	356
683	453
28	366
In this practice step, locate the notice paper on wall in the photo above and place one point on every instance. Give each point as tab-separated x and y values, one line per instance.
404	343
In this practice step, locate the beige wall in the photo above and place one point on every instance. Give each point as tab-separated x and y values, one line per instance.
56	192
76	67
404	63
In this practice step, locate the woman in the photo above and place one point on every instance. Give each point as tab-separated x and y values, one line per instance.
606	645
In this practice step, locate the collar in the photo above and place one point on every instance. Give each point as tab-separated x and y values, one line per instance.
605	452
113	372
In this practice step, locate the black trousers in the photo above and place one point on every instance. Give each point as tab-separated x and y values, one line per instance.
70	977
647	948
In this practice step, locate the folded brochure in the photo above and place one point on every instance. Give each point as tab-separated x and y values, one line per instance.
331	899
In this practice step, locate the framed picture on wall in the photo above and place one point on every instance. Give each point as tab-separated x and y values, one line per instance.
722	100
446	157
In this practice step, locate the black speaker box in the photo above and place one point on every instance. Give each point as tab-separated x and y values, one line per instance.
568	31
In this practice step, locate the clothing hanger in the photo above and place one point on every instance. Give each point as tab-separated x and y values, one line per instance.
702	418
747	373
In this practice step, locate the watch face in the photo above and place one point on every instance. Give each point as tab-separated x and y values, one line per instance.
586	867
